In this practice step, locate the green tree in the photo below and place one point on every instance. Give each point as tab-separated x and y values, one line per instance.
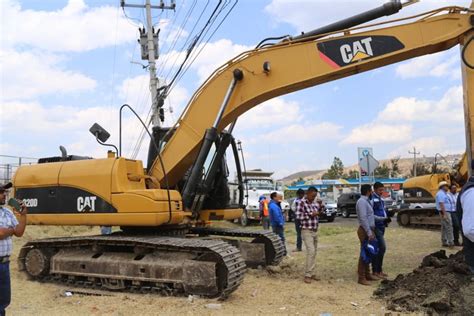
336	170
353	174
382	171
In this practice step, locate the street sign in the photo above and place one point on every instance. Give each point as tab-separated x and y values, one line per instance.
361	153
368	164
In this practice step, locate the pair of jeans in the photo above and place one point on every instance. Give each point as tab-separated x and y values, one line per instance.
299	241
377	261
310	238
5	289
447	238
280	231
457	230
266	222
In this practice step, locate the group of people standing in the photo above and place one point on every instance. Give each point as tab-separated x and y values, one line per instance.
373	220
446	200
307	210
457	217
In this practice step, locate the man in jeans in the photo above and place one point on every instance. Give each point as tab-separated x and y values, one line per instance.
307	213
9	226
294	208
276	217
381	221
442	205
365	215
453	196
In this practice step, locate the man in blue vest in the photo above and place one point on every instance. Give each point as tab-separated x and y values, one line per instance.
381	221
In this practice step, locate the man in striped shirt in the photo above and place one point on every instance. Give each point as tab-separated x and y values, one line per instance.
9	226
307	213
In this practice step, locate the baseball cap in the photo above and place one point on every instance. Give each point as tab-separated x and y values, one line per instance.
5	187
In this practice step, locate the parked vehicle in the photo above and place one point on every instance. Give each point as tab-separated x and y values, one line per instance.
346	204
329	212
257	183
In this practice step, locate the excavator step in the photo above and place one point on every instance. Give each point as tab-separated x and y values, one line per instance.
167	265
264	249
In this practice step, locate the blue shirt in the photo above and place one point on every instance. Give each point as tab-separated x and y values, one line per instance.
7	220
276	215
452	202
442	197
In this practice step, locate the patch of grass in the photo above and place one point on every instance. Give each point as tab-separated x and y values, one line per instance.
334	230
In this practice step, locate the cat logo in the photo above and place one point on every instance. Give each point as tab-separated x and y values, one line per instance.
360	49
342	52
86	204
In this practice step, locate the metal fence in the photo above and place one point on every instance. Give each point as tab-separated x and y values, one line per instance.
9	164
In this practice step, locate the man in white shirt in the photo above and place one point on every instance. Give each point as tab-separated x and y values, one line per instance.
465	207
452	196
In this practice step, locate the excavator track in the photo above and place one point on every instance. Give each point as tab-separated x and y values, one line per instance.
425	218
264	249
167	265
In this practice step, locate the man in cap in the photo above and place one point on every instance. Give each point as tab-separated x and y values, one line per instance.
9	226
442	205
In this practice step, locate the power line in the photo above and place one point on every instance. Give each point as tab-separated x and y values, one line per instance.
414	153
204	45
193	44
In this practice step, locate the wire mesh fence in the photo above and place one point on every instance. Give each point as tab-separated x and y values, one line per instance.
9	165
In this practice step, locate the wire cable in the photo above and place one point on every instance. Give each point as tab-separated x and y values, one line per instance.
190	49
204	45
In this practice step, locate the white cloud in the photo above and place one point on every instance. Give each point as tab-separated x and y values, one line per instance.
443	64
428	146
211	57
26	75
65	125
376	133
306	15
74	28
448	109
299	133
273	112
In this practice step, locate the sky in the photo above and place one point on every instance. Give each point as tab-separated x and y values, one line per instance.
66	64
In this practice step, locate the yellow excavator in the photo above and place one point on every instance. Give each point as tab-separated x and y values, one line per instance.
165	243
420	192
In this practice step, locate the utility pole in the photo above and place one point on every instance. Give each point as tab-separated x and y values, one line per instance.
414	153
149	45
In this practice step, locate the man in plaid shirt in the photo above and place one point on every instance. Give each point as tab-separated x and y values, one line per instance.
9	226
307	213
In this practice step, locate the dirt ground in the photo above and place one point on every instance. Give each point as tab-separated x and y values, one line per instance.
278	292
440	285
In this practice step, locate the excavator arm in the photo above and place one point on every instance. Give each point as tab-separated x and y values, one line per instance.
271	71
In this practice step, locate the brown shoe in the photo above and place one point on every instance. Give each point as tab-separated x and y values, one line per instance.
370	277
315	278
363	282
378	275
384	275
307	280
